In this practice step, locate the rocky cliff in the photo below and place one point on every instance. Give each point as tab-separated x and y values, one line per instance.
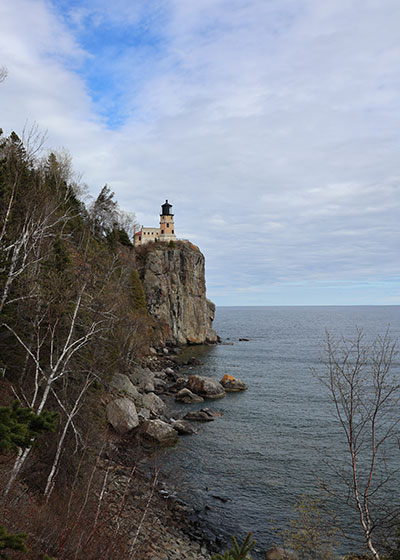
174	283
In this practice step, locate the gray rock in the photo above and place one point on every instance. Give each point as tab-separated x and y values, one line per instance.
144	414
153	403
178	385
123	384
122	415
160	375
278	553
183	428
205	387
160	386
232	385
203	415
169	371
160	432
143	378
186	396
175	288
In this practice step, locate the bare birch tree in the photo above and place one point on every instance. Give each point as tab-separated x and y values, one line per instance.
51	351
366	396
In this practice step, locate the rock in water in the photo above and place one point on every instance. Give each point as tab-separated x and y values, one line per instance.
178	385
160	432
205	387
186	396
122	415
183	427
231	384
203	415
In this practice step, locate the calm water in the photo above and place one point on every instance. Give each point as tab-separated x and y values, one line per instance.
269	445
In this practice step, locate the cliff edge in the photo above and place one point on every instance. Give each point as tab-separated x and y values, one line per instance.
173	279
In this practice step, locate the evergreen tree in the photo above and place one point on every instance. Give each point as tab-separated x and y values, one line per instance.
14	541
19	426
237	552
123	238
138	296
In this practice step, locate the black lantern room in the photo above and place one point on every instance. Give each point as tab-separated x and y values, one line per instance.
166	209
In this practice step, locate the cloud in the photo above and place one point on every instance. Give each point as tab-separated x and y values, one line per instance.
271	126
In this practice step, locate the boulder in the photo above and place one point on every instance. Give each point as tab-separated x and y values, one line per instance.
182	427
178	385
231	384
160	386
278	553
143	378
144	414
186	396
123	384
160	375
202	415
205	387
122	415
153	403
160	432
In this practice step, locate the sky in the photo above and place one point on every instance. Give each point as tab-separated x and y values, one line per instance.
272	126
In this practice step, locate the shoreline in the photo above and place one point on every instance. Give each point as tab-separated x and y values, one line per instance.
175	528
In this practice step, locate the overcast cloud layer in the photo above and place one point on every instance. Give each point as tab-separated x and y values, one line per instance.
272	126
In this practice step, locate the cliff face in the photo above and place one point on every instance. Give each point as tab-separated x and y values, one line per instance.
174	284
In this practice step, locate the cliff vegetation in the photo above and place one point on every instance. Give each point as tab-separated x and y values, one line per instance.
78	308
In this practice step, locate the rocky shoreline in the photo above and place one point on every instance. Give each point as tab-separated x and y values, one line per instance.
170	529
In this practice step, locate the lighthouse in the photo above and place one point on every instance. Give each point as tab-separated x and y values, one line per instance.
167	228
166	231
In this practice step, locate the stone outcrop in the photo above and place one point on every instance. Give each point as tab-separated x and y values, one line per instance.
174	283
205	387
232	385
122	415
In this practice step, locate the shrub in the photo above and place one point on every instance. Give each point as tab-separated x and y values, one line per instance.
237	552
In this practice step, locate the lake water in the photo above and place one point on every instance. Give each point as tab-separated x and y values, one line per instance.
245	470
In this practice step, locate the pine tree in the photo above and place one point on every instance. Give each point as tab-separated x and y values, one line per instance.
237	552
20	426
123	237
138	296
14	541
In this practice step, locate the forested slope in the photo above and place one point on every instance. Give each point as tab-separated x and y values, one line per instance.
72	315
